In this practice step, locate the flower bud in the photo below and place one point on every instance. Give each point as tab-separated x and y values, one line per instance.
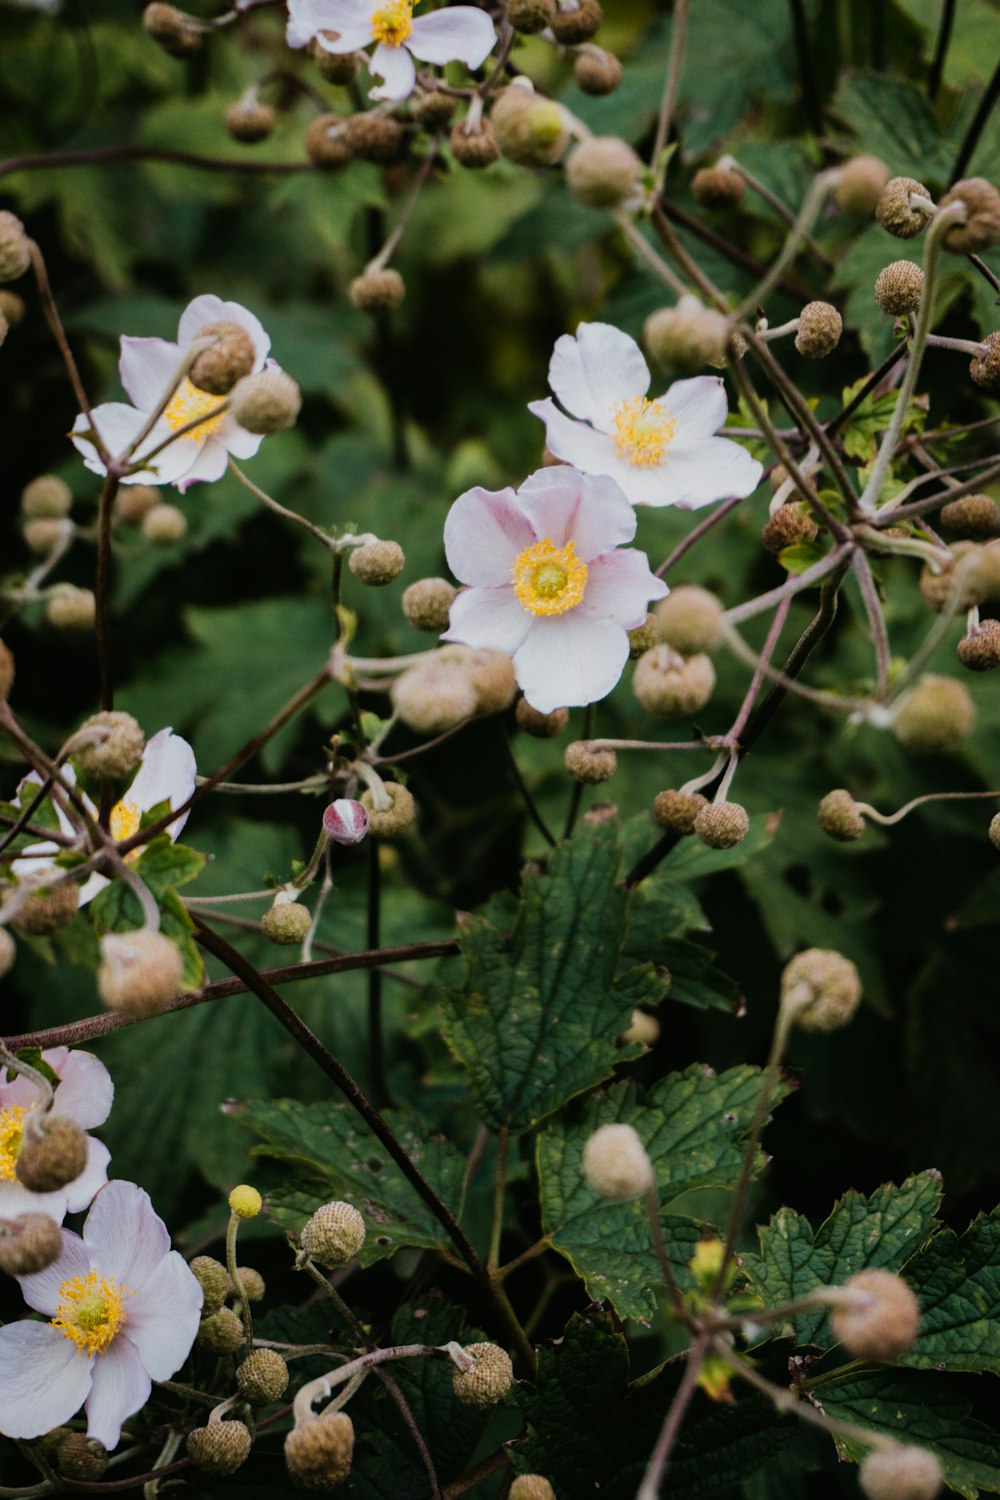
334	1235
432	109
15	251
51	1156
164	525
375	137
603	172
643	1029
667	683
325	143
8	952
899	287
689	619
717	187
426	603
970	577
318	1453
80	1457
573	26
232	355
883	1326
377	563
286	922
529	129
893	210
531	1487
490	1378
972	515
266	403
934	716
541	726
994	831
47	910
820	327
345	821
6	672
28	1244
435	694
860	185
492	676
249	120
476	147
530	16
900	1473
839	817
984	368
46	496
686	337
722	825
981	230
377	291
252	1282
11	307
336	67
391	821
213	1278
262	1377
134	502
140	972
221	1332
980	649
44	533
790	524
245	1201
616	1165
588	765
823	987
220	1448
597	72
119	751
176	32
676	812
70	608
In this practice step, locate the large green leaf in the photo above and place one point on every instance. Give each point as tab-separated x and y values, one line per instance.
957	1279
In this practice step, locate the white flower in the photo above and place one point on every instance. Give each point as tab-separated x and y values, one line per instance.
660	451
123	1310
147	367
83	1094
548	586
459	33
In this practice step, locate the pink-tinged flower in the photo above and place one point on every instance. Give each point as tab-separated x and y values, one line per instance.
660	451
548	585
122	1309
83	1094
147	368
346	821
459	33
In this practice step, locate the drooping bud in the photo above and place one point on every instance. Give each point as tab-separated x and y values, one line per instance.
164	525
336	67
823	987
70	608
530	16
134	502
894	211
572	26
980	649
529	129
334	1235
589	765
972	516
686	337
389	822
376	137
616	1165
884	1325
474	146
642	1030
249	120
820	327
790	524
667	683
899	287
981	230
28	1244
377	291
262	1377
717	187
220	1448
935	715
426	603
860	185
213	1278
325	143
47	910
490	1378
984	368
676	811
11	307
345	821
44	533
232	355
377	563
541	726
689	619
80	1457
46	496
52	1155
839	817
245	1201
252	1282
140	972
286	922
119	751
722	825
596	71
176	32
15	251
266	403
901	1473
221	1332
970	577
603	172
435	694
318	1454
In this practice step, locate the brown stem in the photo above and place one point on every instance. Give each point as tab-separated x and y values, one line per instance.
696	534
658	1459
59	334
98	155
109	489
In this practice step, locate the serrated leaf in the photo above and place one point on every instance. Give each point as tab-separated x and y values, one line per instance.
892	120
957	1281
162	865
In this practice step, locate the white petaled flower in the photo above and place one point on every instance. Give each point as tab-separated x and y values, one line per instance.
123	1310
83	1094
548	582
660	451
147	367
459	33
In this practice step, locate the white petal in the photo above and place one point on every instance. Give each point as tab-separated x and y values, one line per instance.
595	370
147	367
488	617
307	17
620	586
125	1237
119	425
43	1379
235	439
394	66
82	1191
210	464
698	406
162	1319
209	309
712	469
575	442
587	509
459	34
570	659
15	1199
85	1091
34	858
41	1291
484	533
166	774
119	1387
92	887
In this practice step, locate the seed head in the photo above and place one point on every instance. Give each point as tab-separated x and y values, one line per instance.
492	676
248	120
15	251
81	1457
252	1282
899	287
616	1165
490	1378
318	1454
676	811
54	1156
426	604
6	672
221	1332
213	1278
176	32
336	67
46	496
825	988
981	230
972	516
588	765
435	694
375	137
47	911
934	716
530	16
334	1235
531	1487
134	502
431	109
286	922
984	368
980	649
44	533
820	327
597	72
893	210
884	1326
474	148
376	291
266	403
571	27
860	186
528	129
603	172
901	1473
790	524
839	817
140	972
326	145
670	684
377	563
164	525
717	187
119	751
687	337
262	1377
232	355
722	825
70	608
689	619
395	819
541	726
994	830
28	1244
220	1448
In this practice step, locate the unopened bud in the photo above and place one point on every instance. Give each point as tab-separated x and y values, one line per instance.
885	1324
177	33
47	910
901	1473
435	694
676	811
822	987
573	26
490	1378
972	516
588	765
134	502
15	251
980	649
70	608
432	109
221	1332
597	72
689	619
474	147
252	1283
44	533
266	403
245	1201
46	496
389	822
249	120
492	676
839	816
262	1377
80	1457
820	327
377	563
603	172
994	831
334	1235
224	362
29	1244
530	16
717	187
722	825
642	1030
790	525
51	1156
6	672
286	922
325	144
426	603
376	291
860	185
11	307
981	230
213	1278
118	750
375	137
616	1165
667	683
140	972
894	211
164	525
220	1448
345	821
899	287
318	1453
541	726
8	952
336	67
934	716
686	337
529	129
966	580
984	368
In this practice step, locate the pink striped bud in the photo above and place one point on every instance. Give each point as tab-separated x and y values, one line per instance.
345	821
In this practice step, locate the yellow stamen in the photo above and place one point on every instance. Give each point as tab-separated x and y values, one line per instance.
643	431
11	1134
549	580
392	23
124	821
189	402
91	1310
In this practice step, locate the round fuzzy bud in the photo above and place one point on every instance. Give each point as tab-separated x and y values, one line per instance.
994	831
531	1487
176	32
981	229
984	368
44	533
677	811
860	185
490	1378
839	817
689	619
492	676
221	1332
57	1154
252	1282
934	716
643	1029
345	821
46	496
972	516
899	287
140	972
960	578
8	952
597	72
980	649
15	252
245	1201
325	144
12	307
266	403
377	563
578	25
334	1235
70	608
218	368
376	291
893	209
528	129
616	1165
286	922
882	1327
318	1453
433	109
6	672
530	16
374	137
789	525
826	986
164	525
900	1473
81	1457
47	911
220	1448
248	120
541	726
119	751
588	765
213	1278
474	148
643	638
435	694
667	683
29	1244
336	67
389	822
686	337
820	327
134	502
262	1377
426	603
603	171
717	187
722	825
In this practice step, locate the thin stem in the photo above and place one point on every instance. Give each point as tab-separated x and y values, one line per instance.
59	334
660	1246
351	1321
888	819
782	210
530	804
415	1432
109	489
875	378
671	82
733	253
690	267
696	534
811	205
641	245
406	212
787	1401
97	156
376	1041
791	586
649	1489
231	1232
280	510
876	619
975	130
576	796
499	1187
767	651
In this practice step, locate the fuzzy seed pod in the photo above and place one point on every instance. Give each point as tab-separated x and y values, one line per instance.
597	72
899	287
70	608
643	1029
934	716
993	831
790	524
541	726
176	32
15	251
119	751
375	137
827	989
426	604
164	525
134	502
213	1278
435	694
262	1377
968	577
28	1244
603	172
839	817
490	1378
47	910
286	922
140	972
529	129
44	534
433	109
616	1165
689	619
245	1201
717	187
676	812
883	1328
266	403
722	825
588	765
667	683
81	1457
531	1487
984	368
820	327
571	27
318	1454
335	67
474	148
220	1448
248	120
901	1473
6	672
686	337
46	496
860	185
972	515
981	230
377	563
492	675
54	1156
252	1282
325	143
893	210
221	1332
643	638
377	291
530	16
334	1235
980	649
12	307
394	820
8	952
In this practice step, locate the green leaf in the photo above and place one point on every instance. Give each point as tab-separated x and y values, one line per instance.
892	119
162	866
801	556
957	1281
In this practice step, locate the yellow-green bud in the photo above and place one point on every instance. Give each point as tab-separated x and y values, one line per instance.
899	287
8	952
839	816
901	1473
689	619
722	825
232	355
667	683
120	748
221	1332
389	822
492	676
490	1378
643	1029
176	32
616	1165
529	129
29	1244
935	715
252	1282
377	563
984	368
643	638
53	1156
427	603
882	1327
994	831
286	922
70	608
981	230
15	251
266	403
588	765
164	525
576	25
220	1448
262	1377
11	307
530	16
213	1278
820	327
318	1453
603	172
677	811
134	502
597	72
717	187
894	211
432	109
46	496
435	694
334	1235
325	143
860	185
140	972
6	672
44	533
245	1201
823	989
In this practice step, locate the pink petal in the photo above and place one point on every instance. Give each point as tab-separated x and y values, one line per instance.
209	309
166	774
484	533
346	821
709	470
620	586
82	1191
41	1290
570	659
147	367
575	442
595	370
85	1091
459	34
588	510
162	1319
394	66
43	1379
698	406
119	1387
489	617
125	1237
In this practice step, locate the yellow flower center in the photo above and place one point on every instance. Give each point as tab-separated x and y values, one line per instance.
392	23
11	1132
91	1310
643	431
549	580
124	821
187	403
